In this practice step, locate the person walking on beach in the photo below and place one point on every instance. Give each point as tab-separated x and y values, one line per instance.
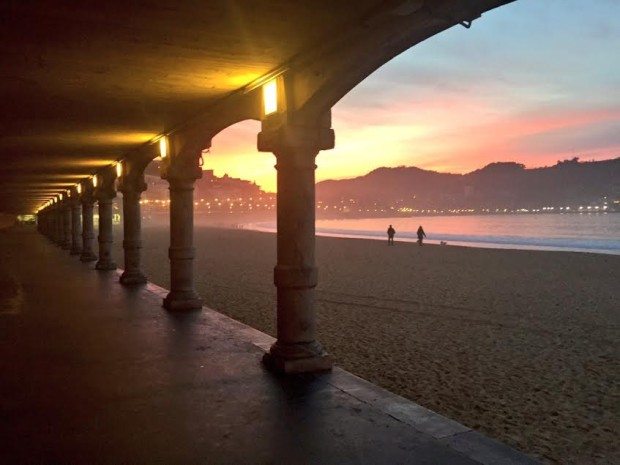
390	232
421	235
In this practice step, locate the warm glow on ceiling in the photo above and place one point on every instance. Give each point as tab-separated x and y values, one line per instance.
240	80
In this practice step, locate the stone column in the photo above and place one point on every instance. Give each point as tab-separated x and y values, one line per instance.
105	193
60	224
181	172
58	234
66	225
88	229
41	222
295	275
76	224
132	185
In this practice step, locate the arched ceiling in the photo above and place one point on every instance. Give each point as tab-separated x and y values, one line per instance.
83	83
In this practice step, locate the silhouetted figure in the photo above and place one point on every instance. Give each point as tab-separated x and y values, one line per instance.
421	235
390	232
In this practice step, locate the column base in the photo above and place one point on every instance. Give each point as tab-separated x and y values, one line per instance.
307	357
88	257
75	251
105	266
182	301
132	277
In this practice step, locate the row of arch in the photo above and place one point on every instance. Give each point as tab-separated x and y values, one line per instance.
307	88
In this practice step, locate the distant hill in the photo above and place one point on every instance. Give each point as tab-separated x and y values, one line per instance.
497	185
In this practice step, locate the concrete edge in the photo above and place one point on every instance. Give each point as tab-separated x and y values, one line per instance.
450	433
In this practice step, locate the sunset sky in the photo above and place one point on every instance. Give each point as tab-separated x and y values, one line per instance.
534	81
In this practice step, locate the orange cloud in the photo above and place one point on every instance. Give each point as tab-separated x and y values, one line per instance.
444	133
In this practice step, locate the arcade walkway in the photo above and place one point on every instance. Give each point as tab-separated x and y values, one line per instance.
94	372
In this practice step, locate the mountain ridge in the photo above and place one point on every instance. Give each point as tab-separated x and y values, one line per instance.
496	185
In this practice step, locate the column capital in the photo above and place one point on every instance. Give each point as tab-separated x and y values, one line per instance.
132	184
293	137
132	179
105	189
296	132
74	198
182	168
87	196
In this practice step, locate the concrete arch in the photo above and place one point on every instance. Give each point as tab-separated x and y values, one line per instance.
319	80
197	135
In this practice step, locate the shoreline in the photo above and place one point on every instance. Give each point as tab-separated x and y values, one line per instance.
259	227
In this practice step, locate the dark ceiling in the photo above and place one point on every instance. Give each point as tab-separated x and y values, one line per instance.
84	82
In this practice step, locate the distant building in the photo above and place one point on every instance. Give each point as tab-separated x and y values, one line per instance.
212	187
156	188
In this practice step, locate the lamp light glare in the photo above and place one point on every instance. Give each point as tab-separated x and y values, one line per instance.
270	97
79	188
119	169
163	147
95	181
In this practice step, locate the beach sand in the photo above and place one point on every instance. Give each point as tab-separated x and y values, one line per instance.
520	345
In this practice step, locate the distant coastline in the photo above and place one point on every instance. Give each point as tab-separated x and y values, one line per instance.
531	232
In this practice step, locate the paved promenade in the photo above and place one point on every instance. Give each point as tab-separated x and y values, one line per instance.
92	372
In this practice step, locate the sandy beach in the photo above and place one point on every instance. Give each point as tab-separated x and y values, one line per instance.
520	345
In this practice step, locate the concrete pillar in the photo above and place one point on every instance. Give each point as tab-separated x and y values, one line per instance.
181	172
88	229
41	222
76	224
295	275
132	185
66	225
59	225
105	193
58	234
49	223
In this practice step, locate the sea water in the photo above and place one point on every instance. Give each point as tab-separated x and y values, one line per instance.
595	232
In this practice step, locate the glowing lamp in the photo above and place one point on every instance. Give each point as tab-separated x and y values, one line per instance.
163	147
79	188
95	181
270	97
119	169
